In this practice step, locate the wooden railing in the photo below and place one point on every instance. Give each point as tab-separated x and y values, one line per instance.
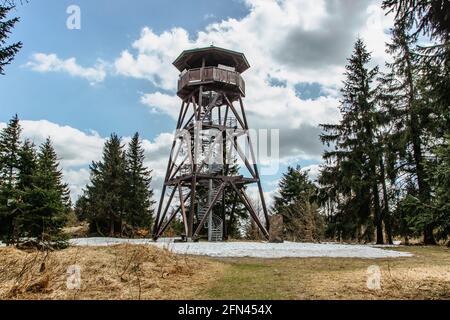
211	74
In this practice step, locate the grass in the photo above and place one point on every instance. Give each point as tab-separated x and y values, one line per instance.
120	272
146	272
424	276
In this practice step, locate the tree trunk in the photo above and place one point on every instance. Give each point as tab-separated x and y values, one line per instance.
386	211
111	225
416	132
378	218
428	237
424	189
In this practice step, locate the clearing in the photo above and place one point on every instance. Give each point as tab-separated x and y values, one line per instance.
129	271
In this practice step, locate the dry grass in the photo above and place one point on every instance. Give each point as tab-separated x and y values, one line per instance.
118	272
424	276
146	272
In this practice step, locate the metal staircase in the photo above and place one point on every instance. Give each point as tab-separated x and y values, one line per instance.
214	224
215	233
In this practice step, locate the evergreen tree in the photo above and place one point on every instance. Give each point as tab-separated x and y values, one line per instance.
27	165
7	52
438	169
426	70
351	172
407	115
297	202
9	152
47	200
27	171
428	17
139	203
104	200
9	171
294	185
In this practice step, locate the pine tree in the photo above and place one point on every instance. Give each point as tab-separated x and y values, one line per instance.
428	17
47	200
294	185
438	169
9	152
7	52
351	172
427	71
104	200
9	171
27	171
406	115
27	165
297	202
139	203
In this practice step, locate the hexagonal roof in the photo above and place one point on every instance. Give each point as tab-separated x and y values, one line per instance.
214	56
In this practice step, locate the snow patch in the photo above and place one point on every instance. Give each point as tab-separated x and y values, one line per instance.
254	249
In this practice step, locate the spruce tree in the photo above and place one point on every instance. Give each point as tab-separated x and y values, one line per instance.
25	184
407	114
104	200
429	69
429	17
27	165
351	172
438	169
7	52
297	202
9	152
47	200
139	204
294	185
9	172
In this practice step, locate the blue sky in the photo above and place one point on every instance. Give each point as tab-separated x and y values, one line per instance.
115	74
107	28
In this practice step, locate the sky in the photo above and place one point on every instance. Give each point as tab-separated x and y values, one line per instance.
115	75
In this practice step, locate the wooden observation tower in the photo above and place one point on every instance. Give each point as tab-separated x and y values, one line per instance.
210	128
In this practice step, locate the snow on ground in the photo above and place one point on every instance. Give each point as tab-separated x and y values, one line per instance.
255	249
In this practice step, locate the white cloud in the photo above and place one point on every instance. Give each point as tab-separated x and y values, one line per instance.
77	180
163	103
77	149
313	170
43	63
154	57
74	147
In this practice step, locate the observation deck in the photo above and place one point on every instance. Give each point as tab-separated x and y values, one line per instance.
212	67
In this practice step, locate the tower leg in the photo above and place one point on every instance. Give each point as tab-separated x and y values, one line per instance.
159	219
255	167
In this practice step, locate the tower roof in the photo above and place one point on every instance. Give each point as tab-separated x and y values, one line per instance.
190	59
